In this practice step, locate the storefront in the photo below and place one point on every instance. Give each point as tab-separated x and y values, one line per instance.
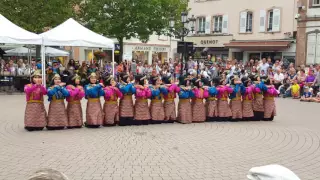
145	53
246	50
211	45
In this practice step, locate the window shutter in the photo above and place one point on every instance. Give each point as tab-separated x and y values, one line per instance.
243	21
225	24
276	20
262	27
311	48
208	25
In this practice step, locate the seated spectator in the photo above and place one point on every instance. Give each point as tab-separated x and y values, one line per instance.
48	174
295	90
278	79
307	94
285	89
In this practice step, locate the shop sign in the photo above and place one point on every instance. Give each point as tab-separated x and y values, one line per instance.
159	49
142	48
209	42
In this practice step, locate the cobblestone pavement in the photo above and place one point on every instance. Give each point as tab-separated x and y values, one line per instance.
219	150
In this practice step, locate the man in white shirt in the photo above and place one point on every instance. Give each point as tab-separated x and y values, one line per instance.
278	79
264	66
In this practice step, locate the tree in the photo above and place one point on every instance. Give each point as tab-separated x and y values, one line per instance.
130	18
38	15
35	15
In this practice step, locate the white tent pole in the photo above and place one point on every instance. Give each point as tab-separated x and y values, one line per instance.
113	62
43	65
92	56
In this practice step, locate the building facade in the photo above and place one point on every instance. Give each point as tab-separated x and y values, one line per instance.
308	32
245	29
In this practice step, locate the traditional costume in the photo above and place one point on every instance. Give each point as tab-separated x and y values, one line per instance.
235	98
111	108
247	100
141	108
169	104
93	92
211	102
57	115
184	107
156	107
35	117
126	102
269	102
74	109
223	106
198	106
258	107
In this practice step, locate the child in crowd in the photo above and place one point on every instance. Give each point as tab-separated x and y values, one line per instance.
295	89
307	94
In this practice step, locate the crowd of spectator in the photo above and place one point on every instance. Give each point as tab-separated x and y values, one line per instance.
289	80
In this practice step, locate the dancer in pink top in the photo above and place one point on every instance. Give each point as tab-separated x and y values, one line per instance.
111	96
74	109
35	118
198	106
143	93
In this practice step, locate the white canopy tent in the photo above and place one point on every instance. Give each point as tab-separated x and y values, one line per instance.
23	51
13	34
55	52
72	33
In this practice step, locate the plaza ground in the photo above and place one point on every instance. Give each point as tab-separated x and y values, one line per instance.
206	151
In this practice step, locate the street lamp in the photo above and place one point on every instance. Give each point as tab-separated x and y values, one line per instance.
187	26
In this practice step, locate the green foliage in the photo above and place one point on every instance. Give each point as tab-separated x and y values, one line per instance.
35	15
131	18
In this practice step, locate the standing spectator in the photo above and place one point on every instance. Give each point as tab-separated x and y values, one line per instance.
270	61
140	69
71	66
133	67
264	66
276	66
270	73
177	70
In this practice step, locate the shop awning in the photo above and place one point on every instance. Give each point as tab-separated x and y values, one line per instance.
259	45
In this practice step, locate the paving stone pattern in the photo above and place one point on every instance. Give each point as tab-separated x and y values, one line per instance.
207	151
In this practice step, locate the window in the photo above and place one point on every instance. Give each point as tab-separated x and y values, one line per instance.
201	24
313	47
249	22
270	20
316	3
217	24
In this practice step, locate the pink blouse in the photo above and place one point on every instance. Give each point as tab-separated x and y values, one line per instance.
143	93
256	90
76	94
201	93
223	91
249	93
271	92
34	92
172	90
112	93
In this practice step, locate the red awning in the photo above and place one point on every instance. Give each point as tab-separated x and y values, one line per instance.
259	45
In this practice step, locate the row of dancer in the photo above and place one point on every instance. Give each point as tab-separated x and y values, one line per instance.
244	99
